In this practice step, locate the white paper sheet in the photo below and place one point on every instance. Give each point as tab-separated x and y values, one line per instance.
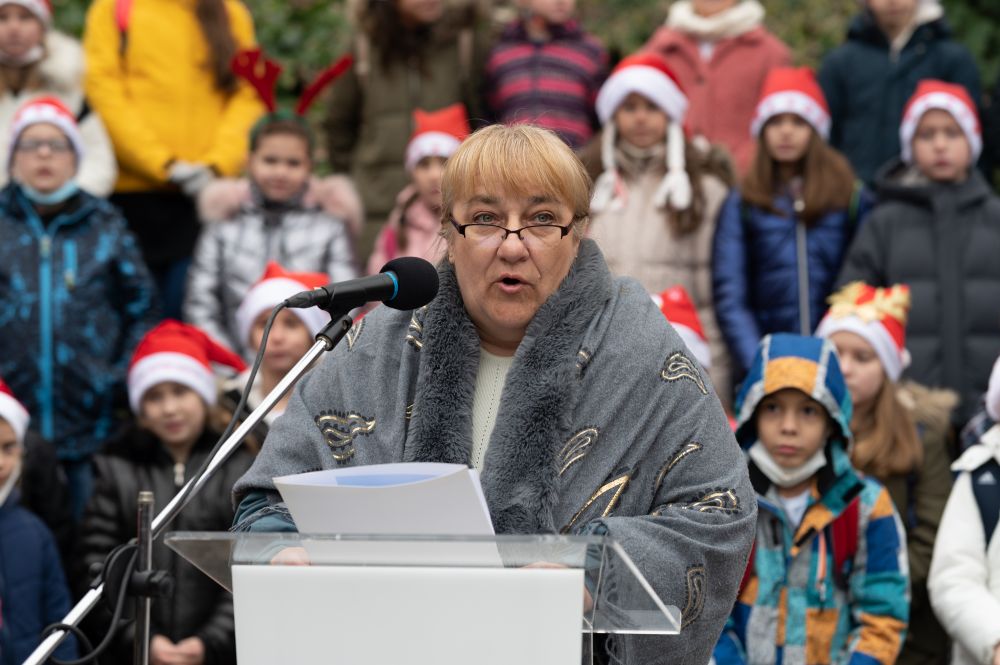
395	499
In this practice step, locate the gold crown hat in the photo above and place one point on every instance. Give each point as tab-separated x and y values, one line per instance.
878	315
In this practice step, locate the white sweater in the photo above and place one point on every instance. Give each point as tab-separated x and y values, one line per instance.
964	580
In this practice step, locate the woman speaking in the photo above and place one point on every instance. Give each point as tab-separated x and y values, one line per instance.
568	390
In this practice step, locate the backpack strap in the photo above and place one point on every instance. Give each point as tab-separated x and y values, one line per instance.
844	540
123	12
986	489
362	58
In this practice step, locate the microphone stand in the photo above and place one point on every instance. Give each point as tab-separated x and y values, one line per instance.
326	340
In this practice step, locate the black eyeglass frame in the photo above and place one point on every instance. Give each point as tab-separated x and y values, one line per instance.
563	230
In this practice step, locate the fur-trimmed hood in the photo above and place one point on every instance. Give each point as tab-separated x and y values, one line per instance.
931	407
63	66
334	195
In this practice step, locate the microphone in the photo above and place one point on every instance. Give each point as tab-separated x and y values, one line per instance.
404	283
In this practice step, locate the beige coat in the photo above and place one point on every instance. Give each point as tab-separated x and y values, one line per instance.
637	242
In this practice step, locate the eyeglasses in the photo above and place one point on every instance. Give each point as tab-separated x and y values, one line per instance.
55	146
536	236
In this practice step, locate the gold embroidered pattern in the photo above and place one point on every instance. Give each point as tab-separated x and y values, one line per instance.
576	448
695	591
414	334
679	366
340	430
721	500
616	487
354	333
672	462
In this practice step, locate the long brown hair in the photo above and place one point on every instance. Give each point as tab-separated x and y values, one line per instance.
828	180
886	442
699	164
214	22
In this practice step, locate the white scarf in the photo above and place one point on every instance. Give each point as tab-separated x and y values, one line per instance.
778	474
733	22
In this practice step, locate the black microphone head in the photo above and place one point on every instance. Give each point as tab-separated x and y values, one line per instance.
416	279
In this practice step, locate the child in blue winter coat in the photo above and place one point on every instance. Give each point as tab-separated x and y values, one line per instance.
33	591
75	294
827	581
780	242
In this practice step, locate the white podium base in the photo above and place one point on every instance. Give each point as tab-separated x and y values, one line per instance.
356	615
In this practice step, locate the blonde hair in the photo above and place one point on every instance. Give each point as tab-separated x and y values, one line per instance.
519	160
886	442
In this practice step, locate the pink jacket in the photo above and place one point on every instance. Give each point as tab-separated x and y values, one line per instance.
723	90
421	228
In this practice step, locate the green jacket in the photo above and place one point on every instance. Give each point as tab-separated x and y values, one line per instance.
370	116
920	498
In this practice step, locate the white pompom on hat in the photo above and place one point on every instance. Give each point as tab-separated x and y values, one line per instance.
792	90
993	393
13	412
877	315
178	352
645	74
274	286
676	305
955	99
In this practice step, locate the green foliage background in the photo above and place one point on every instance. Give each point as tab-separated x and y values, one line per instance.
306	35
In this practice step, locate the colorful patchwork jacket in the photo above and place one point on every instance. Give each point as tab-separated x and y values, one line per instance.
801	604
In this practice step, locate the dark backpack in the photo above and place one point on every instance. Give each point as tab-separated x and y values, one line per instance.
986	489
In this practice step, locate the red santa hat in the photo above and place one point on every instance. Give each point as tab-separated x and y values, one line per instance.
178	352
42	9
274	286
46	110
792	90
953	98
646	74
436	133
878	315
13	412
678	309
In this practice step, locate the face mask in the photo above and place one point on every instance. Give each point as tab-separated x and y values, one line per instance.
34	54
778	474
52	198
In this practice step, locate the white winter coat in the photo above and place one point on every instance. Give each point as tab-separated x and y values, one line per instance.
964	581
62	76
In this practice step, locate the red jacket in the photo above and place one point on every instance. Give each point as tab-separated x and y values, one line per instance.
724	90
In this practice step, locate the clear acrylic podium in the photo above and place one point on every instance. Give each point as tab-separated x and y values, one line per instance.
443	599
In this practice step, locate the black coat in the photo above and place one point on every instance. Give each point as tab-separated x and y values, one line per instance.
943	240
867	88
137	461
45	492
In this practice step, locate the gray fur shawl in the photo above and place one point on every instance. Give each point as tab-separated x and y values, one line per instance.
605	423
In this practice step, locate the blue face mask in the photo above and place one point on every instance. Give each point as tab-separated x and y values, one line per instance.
54	197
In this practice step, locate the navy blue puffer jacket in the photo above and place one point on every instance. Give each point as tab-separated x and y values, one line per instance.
867	86
75	298
33	591
755	269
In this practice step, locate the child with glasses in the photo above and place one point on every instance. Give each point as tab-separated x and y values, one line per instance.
75	295
656	199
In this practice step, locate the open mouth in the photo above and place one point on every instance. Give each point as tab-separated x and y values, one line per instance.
510	281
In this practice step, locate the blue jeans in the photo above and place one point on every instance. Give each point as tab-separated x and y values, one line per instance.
80	475
171	281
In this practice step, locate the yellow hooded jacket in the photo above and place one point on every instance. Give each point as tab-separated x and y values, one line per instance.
158	99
